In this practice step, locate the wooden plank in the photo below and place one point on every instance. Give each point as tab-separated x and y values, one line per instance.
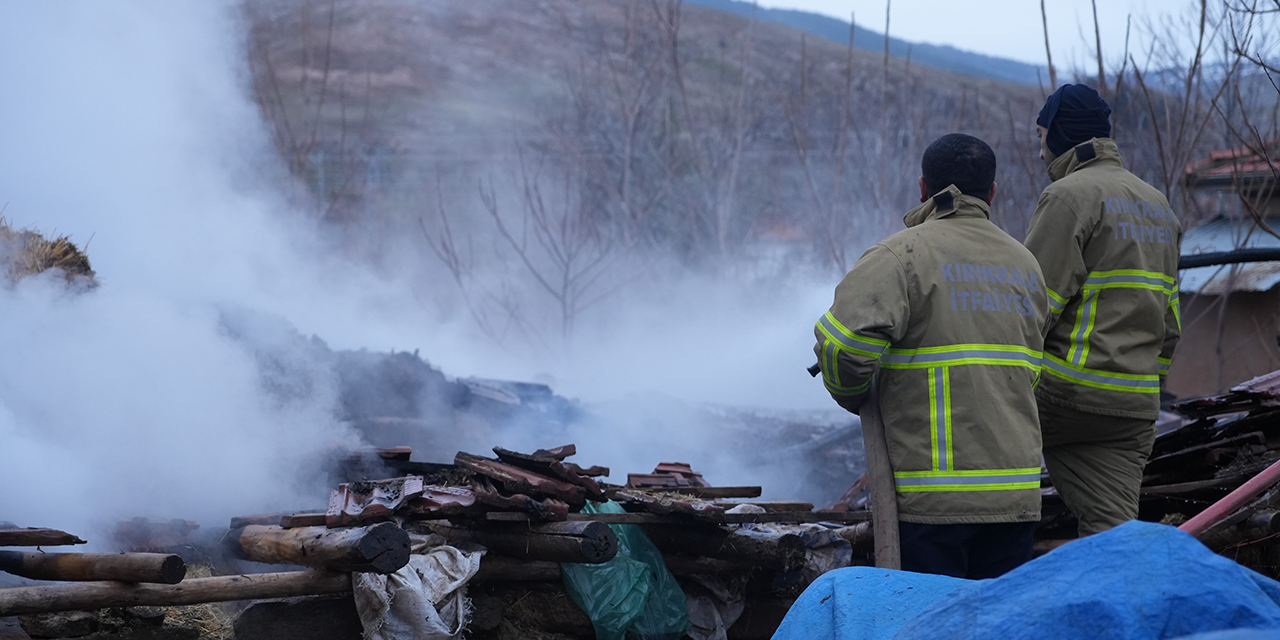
699	492
884	496
36	537
772	505
1180	488
839	517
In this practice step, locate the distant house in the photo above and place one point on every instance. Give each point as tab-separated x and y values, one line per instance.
1230	313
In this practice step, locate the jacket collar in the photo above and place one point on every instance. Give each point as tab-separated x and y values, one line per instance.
948	202
1095	152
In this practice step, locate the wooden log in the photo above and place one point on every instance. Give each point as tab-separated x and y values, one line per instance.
859	535
496	568
126	567
884	495
297	520
381	548
579	542
36	537
89	596
778	551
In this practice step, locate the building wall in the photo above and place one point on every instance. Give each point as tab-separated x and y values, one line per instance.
1251	324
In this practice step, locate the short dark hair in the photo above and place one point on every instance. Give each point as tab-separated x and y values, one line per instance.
962	160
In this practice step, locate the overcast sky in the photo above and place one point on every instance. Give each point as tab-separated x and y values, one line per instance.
1004	28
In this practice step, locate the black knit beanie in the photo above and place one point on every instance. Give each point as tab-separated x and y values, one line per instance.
1073	114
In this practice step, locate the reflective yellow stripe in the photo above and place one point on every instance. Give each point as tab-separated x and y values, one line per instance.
1085	315
846	340
1175	303
961	354
1163	365
1129	279
968	480
1056	302
940	445
1098	379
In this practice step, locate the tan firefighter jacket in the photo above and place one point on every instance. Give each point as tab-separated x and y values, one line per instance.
1108	244
950	313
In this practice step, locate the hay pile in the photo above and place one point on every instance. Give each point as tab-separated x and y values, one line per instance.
25	252
210	619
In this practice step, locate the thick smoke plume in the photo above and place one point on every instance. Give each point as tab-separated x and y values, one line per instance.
130	127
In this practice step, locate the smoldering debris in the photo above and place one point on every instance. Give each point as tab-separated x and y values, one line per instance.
499	532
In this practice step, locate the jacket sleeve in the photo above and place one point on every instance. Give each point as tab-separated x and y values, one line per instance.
870	313
1056	238
1172	327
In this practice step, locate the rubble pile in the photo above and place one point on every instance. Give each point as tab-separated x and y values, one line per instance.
526	542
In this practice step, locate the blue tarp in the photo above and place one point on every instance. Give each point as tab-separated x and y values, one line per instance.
1136	581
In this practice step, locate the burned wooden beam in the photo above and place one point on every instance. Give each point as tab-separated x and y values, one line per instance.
125	567
778	551
579	542
36	537
549	509
89	596
381	548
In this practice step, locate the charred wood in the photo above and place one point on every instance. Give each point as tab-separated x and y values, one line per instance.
579	542
778	551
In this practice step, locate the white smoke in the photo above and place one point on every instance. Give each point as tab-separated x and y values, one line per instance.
130	124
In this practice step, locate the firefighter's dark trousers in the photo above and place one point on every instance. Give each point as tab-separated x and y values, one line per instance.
1096	463
973	551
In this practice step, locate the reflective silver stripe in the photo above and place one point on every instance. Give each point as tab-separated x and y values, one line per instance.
1093	281
1056	306
1163	367
1013	357
1054	365
940	410
846	341
966	479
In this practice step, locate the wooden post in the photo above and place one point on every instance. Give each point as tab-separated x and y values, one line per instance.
581	542
125	567
89	596
381	548
884	494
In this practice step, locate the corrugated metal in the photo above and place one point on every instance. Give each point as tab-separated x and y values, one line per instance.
1226	235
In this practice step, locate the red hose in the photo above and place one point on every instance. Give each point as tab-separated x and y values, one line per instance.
1234	500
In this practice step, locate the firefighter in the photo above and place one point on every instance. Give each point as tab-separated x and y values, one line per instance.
947	316
1108	244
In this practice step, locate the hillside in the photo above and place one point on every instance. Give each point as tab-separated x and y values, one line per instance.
939	57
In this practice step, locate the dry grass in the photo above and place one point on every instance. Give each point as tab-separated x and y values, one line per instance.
209	619
26	252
